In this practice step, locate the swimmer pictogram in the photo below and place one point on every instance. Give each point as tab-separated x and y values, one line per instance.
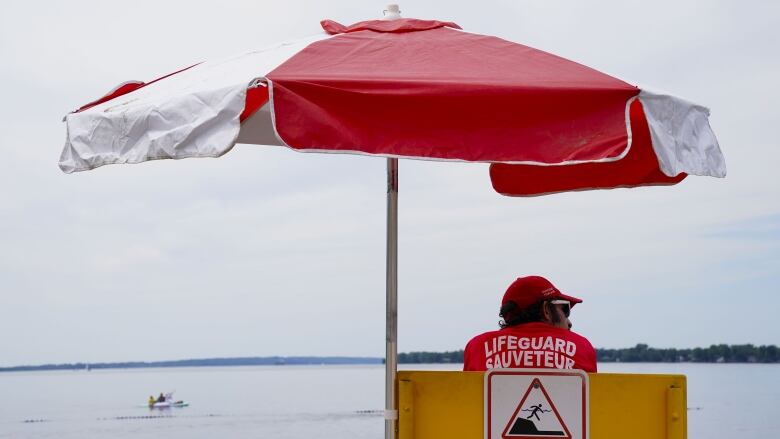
536	416
535	410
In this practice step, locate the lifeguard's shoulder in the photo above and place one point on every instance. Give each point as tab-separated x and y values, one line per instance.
580	339
479	338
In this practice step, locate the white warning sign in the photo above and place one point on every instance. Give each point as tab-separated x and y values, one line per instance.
536	403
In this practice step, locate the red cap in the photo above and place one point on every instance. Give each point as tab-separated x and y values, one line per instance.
529	290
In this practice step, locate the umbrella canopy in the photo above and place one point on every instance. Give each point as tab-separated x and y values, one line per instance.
408	88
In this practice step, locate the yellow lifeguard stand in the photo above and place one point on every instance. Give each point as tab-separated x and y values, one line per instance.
434	404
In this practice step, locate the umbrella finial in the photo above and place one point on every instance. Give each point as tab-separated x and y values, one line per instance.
392	12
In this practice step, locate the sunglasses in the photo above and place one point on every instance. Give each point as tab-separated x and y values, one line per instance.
565	306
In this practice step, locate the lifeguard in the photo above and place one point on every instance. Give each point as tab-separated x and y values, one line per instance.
535	332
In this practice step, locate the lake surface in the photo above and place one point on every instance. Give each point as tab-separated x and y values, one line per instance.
725	401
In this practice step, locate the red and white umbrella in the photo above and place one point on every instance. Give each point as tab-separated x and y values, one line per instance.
407	88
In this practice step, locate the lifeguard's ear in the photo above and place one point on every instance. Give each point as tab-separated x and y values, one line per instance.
547	312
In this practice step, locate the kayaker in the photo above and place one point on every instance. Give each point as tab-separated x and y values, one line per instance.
535	332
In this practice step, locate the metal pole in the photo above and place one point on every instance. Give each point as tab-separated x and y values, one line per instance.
391	351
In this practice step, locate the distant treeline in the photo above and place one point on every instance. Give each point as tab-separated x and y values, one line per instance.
640	353
431	357
721	353
241	361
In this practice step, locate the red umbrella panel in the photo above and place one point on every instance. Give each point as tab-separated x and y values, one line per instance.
638	167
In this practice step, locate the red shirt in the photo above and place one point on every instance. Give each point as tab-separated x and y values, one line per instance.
530	345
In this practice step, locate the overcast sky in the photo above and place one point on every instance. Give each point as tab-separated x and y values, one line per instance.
266	251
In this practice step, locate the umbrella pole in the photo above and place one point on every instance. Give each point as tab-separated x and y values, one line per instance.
391	351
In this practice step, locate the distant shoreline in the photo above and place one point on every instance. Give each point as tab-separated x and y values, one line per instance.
202	362
640	353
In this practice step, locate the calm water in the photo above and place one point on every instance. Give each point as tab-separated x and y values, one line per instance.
725	401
